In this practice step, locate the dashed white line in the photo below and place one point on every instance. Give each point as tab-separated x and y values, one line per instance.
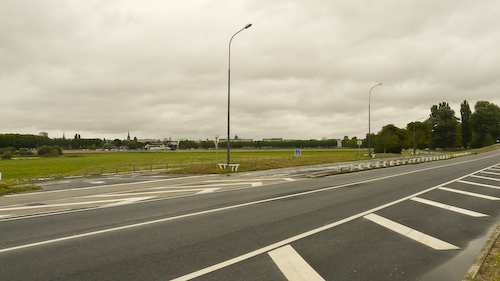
479	184
293	266
486	178
469	193
491	173
411	233
448	207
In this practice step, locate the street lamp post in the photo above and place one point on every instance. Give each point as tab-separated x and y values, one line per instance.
229	94
369	129
414	148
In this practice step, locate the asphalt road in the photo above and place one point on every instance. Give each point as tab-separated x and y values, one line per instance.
413	222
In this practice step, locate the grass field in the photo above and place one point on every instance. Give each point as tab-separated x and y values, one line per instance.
193	161
24	170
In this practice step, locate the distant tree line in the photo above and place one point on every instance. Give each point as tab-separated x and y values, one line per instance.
444	130
261	144
441	130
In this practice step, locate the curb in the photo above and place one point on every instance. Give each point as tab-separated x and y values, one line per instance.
478	262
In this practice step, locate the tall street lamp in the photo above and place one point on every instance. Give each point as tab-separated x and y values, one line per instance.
229	93
369	130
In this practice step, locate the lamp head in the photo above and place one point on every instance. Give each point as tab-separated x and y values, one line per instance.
248	25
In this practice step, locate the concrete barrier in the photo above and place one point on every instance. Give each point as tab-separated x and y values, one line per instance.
360	167
391	163
351	168
377	165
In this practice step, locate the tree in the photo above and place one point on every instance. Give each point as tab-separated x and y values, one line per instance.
421	130
445	125
391	139
466	129
485	121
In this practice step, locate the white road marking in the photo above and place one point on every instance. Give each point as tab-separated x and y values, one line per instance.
448	207
411	233
69	204
491	173
469	193
293	266
269	247
255	184
202	185
4	216
128	201
207	190
479	184
115	194
486	178
98	186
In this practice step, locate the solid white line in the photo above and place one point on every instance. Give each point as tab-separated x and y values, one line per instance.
99	186
128	201
59	205
293	266
479	184
203	185
411	233
269	247
469	193
207	190
4	216
448	207
486	178
148	192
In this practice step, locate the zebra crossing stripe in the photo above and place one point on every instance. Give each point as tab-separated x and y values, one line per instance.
292	265
418	236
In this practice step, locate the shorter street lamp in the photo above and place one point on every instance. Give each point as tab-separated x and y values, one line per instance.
414	148
369	132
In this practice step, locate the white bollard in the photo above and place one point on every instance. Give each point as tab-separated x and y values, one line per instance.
360	167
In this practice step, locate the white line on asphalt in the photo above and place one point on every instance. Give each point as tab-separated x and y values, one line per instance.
269	247
255	184
479	184
486	178
469	193
207	190
150	192
491	173
418	236
203	185
68	204
4	216
128	201
448	207
99	186
293	266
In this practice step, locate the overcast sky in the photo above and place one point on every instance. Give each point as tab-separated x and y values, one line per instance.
303	70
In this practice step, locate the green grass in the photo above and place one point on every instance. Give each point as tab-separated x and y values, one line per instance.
188	162
191	161
14	186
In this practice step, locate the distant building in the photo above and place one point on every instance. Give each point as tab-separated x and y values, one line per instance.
44	134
